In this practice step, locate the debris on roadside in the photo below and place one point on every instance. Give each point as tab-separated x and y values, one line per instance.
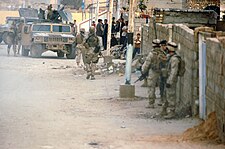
207	130
111	68
62	67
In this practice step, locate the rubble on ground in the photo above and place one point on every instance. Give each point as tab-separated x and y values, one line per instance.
111	68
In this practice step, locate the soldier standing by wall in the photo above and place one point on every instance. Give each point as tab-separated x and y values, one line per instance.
172	69
93	50
163	74
80	49
152	66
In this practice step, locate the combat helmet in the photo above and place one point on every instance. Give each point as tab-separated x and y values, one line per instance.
156	43
92	29
82	30
172	46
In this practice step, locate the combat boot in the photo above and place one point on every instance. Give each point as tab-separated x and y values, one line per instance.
88	76
92	77
170	115
160	103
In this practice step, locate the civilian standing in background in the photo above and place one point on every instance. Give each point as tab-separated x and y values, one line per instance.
99	32
137	45
117	26
105	33
122	24
113	30
124	35
93	24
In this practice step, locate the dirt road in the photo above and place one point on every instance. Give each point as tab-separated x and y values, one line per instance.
47	103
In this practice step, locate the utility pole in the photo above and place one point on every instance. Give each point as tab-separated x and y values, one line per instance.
109	26
132	7
130	41
127	90
83	9
118	9
97	11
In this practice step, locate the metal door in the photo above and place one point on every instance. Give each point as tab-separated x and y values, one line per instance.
202	77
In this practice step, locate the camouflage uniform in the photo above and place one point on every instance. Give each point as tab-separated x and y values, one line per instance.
80	48
91	55
13	39
18	36
172	69
163	75
152	65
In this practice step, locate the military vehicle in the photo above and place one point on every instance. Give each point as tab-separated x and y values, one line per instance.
27	15
5	29
40	37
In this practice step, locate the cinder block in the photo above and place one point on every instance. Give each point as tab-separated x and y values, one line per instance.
127	91
107	59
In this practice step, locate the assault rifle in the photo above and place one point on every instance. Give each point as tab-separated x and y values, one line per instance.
142	77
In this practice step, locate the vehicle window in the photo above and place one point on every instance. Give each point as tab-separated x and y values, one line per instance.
59	28
9	22
42	28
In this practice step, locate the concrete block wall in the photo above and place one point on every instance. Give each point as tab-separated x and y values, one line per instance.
184	37
138	23
215	85
163	31
187	87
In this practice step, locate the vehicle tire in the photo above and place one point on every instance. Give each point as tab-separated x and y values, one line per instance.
60	54
1	39
72	53
36	50
25	52
8	38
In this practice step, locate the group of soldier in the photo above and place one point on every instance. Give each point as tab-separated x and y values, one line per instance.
89	48
162	63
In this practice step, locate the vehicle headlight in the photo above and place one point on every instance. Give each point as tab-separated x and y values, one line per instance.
65	39
45	39
37	38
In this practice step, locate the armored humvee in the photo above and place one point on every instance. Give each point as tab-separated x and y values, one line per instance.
27	15
40	37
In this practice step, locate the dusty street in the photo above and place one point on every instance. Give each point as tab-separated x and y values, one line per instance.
47	103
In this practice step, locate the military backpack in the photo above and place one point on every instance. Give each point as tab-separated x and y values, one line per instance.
181	66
